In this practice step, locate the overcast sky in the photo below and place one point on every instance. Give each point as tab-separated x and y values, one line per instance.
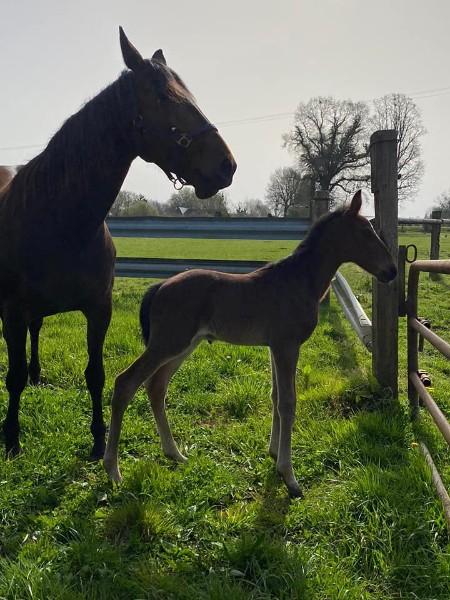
241	59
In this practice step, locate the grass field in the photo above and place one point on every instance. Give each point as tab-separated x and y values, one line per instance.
221	527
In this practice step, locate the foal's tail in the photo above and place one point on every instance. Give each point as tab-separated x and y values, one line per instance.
144	313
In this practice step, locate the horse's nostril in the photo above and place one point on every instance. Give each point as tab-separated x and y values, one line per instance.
227	168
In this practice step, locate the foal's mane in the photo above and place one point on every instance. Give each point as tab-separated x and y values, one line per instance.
317	230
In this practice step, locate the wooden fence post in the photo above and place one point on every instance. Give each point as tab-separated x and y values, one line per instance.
435	240
384	175
321	205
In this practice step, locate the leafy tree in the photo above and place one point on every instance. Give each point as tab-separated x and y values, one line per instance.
130	204
397	111
330	140
287	192
186	202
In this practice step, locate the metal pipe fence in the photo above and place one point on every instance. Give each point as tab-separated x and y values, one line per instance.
416	384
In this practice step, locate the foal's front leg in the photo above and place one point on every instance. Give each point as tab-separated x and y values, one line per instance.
285	358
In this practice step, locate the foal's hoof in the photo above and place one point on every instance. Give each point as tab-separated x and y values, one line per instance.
112	470
294	491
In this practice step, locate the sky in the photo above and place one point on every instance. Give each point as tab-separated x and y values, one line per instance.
241	59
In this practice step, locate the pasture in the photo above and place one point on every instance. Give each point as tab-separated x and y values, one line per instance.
222	527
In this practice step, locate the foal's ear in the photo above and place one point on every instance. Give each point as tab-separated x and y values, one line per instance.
158	56
355	204
131	56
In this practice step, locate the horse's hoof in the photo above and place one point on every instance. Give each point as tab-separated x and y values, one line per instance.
97	452
34	379
13	450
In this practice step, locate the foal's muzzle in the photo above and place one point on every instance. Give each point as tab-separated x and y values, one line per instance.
388	274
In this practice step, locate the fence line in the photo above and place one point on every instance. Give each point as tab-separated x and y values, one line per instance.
242	228
353	310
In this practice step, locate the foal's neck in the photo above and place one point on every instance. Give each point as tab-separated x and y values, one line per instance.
319	260
76	179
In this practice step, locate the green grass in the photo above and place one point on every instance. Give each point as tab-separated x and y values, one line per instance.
221	526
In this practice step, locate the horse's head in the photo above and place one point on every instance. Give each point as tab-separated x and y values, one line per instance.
171	130
363	246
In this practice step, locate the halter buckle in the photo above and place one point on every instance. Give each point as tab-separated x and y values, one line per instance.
184	140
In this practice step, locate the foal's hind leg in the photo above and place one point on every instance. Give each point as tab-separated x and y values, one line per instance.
34	367
98	319
285	358
156	387
275	432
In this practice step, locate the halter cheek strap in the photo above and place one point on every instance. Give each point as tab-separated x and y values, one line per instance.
180	143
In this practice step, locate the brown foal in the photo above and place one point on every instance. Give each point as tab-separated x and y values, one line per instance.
275	306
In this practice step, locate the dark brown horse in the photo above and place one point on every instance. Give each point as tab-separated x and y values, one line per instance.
56	253
275	306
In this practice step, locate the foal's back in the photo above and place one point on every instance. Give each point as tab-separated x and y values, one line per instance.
251	309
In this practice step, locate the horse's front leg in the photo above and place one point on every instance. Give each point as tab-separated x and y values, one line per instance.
15	334
34	367
98	320
285	359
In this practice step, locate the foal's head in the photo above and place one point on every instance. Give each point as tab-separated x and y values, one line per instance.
359	243
171	129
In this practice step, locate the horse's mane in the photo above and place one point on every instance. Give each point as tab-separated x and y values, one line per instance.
79	143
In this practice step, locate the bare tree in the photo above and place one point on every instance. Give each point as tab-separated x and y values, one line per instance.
252	207
287	189
442	203
397	111
329	138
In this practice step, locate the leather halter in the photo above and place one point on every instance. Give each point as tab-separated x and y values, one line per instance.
180	141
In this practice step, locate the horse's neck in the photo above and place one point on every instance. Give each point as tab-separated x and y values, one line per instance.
76	179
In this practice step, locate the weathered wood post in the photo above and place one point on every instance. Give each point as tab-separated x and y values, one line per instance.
435	239
384	176
321	205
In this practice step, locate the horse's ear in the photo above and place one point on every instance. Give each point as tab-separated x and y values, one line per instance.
158	56
355	204
131	56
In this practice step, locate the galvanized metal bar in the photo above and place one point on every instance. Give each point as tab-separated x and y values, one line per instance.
434	410
209	228
429	335
411	221
353	310
438	484
162	268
